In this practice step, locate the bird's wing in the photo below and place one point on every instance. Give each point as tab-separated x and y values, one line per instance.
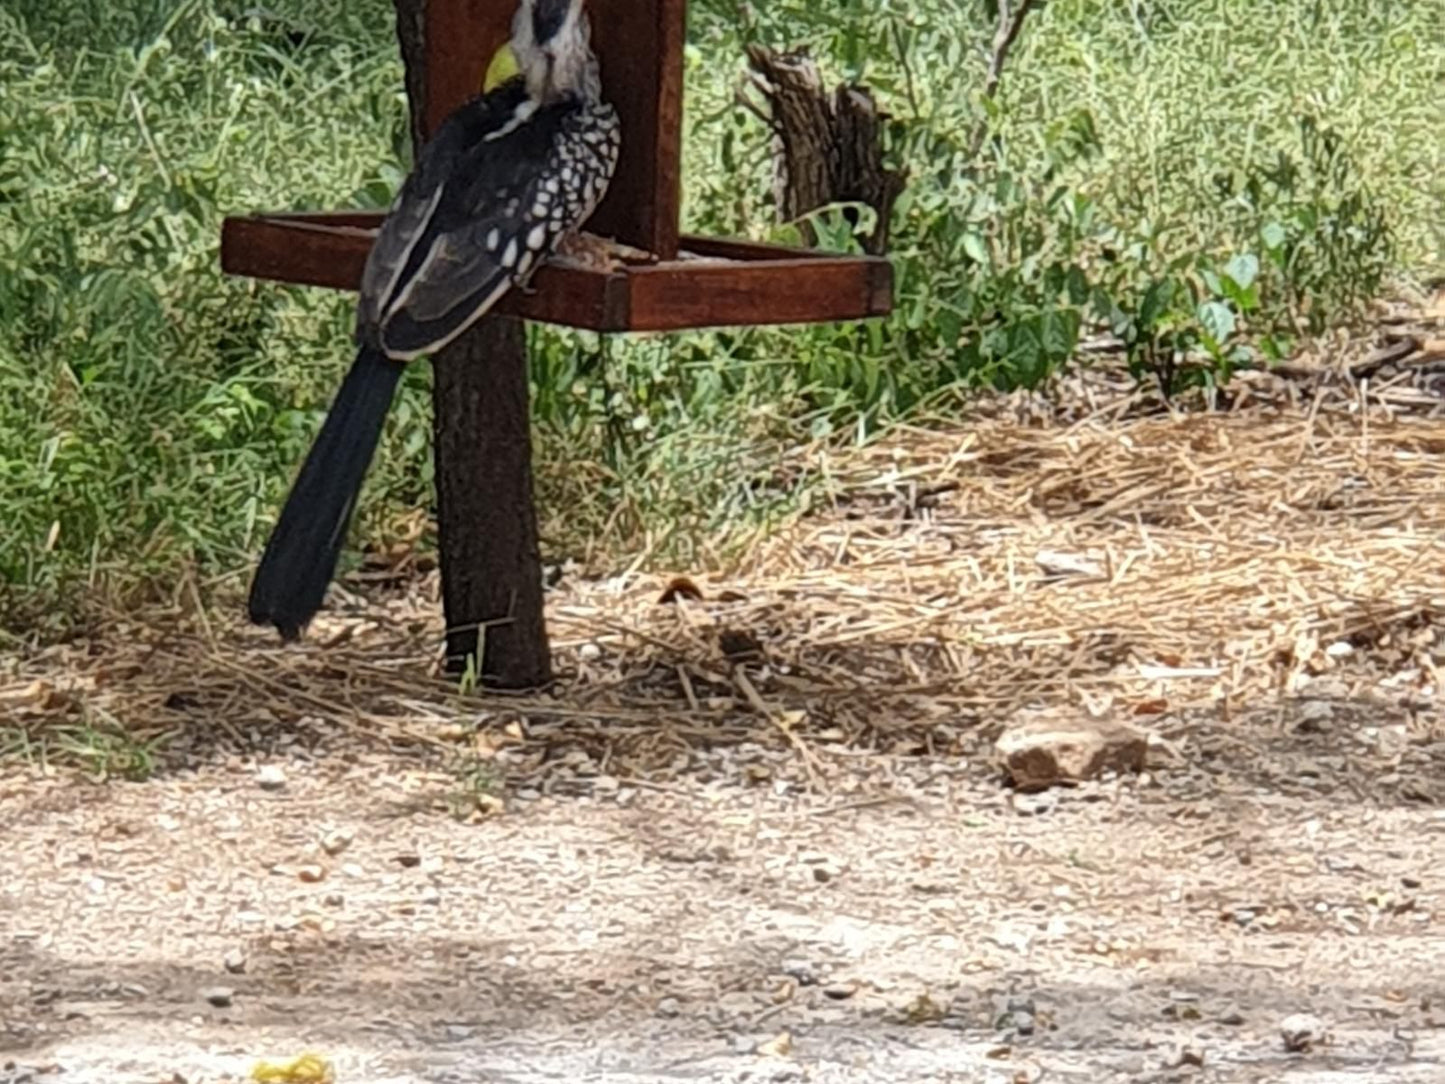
462	231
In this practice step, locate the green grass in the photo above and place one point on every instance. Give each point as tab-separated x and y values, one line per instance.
152	411
102	748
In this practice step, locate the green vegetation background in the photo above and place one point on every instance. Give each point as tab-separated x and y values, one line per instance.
1210	179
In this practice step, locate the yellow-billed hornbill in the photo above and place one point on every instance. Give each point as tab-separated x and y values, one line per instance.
507	176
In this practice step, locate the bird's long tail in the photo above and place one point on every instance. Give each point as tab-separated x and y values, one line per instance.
303	549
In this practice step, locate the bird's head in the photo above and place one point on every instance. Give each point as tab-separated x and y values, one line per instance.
551	40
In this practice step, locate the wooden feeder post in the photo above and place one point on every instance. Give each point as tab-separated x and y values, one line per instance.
490	563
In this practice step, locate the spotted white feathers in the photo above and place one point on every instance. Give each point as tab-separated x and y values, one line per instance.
503	180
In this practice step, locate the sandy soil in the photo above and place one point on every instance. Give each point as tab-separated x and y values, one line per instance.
921	922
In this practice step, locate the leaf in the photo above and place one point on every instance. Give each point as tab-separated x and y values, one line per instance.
1060	333
1157	299
1243	269
950	325
975	249
1276	347
1078	285
1217	319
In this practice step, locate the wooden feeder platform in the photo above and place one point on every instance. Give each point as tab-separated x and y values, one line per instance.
711	282
690	282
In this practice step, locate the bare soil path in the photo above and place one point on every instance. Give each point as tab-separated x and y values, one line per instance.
926	926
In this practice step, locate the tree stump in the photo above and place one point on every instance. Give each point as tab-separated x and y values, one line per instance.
828	146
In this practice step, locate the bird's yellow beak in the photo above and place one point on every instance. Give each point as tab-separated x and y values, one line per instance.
502	68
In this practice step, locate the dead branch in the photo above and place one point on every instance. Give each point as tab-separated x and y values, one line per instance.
1010	23
827	147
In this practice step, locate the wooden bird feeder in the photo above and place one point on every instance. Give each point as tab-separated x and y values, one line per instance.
688	281
695	281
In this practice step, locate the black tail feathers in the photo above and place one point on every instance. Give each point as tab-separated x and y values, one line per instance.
301	554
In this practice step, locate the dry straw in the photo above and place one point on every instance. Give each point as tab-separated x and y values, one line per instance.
1147	564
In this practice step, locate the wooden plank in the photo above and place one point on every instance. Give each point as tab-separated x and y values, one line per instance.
728	248
461	38
639	45
301	249
733	248
294	251
675	296
363	220
738	283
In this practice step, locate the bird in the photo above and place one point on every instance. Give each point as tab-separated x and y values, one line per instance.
509	177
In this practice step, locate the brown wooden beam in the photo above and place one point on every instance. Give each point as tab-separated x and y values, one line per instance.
491	561
639	47
733	283
490	558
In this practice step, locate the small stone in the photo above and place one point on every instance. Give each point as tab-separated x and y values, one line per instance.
218	996
408	861
916	1008
1045	748
528	794
270	777
333	899
1315	717
669	1006
1023	1023
1232	1018
800	971
589	652
606	784
779	1046
311	874
459	1032
334	842
235	961
840	991
430	895
1033	805
1301	1032
1182	1012
1190	1056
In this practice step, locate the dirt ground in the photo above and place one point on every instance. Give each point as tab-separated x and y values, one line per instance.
798	860
926	925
